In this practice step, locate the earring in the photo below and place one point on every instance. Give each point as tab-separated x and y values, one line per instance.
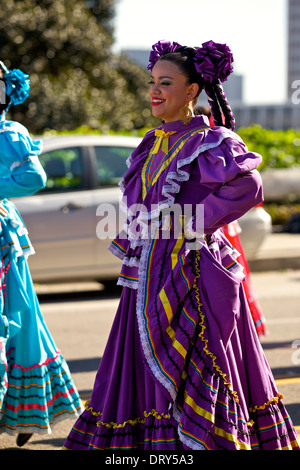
186	114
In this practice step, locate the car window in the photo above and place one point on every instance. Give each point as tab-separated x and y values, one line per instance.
63	168
111	164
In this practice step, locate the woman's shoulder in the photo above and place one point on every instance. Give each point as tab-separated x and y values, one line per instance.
13	127
213	136
16	142
220	154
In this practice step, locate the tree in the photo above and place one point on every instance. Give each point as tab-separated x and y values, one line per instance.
65	47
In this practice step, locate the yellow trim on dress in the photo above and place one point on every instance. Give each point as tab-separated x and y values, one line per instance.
91	409
154	150
162	139
276	399
167	307
133	422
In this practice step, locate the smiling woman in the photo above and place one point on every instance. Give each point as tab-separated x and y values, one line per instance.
183	367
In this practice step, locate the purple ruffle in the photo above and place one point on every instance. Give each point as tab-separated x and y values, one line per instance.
214	61
159	49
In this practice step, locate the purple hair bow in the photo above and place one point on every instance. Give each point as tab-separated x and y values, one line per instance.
213	61
159	49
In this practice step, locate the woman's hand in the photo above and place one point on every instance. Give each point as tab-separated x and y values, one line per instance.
3	211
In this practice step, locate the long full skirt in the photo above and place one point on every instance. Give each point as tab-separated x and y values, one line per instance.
130	409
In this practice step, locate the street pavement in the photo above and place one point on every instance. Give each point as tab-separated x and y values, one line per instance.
80	316
278	251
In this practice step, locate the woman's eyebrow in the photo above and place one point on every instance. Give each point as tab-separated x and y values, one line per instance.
163	76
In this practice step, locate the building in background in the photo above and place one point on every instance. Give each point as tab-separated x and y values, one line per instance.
293	65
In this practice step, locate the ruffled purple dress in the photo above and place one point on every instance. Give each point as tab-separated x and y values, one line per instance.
183	367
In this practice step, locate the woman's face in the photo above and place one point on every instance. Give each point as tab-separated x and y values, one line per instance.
169	91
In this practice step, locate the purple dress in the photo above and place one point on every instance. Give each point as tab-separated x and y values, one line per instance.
183	367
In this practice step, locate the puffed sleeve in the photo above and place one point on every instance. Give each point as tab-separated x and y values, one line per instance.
21	172
229	171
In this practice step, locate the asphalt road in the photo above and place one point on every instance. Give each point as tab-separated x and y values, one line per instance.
80	315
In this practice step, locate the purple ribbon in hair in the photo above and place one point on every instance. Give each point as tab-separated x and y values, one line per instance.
213	61
159	49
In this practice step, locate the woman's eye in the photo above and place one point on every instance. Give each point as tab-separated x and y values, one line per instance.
151	82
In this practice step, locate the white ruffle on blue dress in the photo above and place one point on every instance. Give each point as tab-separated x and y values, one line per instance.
36	388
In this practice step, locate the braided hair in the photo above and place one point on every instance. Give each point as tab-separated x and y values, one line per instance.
221	111
220	108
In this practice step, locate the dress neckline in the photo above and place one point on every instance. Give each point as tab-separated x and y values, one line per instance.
178	126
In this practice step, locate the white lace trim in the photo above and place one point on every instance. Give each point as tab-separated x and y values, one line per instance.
131	261
21	230
129	161
189	442
115	251
121	184
127	283
226	250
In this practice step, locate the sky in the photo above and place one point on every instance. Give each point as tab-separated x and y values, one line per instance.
255	31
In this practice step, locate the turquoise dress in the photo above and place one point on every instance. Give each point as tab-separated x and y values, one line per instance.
36	388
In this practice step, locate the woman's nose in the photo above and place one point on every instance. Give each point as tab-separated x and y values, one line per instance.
155	89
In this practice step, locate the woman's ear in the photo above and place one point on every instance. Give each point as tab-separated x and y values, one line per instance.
193	89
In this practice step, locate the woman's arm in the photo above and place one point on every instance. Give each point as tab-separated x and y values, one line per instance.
24	179
232	200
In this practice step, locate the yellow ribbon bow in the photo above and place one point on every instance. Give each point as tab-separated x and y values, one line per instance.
162	138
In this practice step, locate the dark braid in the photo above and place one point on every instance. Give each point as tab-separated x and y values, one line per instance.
214	104
220	109
223	102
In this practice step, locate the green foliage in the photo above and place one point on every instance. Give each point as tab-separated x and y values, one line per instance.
279	149
281	213
65	47
85	130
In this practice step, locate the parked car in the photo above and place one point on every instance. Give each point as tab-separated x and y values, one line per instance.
83	173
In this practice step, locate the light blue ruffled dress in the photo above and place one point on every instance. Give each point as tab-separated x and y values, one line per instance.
36	388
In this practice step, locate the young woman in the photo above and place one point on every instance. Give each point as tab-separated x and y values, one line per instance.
36	389
183	367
